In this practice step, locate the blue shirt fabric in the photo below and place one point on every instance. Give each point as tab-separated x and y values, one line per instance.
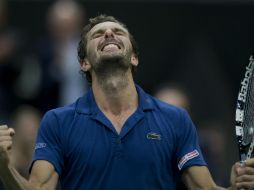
155	144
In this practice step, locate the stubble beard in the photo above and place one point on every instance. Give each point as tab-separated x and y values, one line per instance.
111	71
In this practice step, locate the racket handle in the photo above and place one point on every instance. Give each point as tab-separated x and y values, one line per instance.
242	164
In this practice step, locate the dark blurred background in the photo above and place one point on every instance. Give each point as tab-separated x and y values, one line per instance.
200	47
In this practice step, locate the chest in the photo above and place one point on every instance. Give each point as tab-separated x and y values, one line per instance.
118	121
140	146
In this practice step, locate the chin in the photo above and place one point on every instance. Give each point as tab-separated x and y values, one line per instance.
111	58
110	63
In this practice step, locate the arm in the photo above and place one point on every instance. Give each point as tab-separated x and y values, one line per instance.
43	175
199	178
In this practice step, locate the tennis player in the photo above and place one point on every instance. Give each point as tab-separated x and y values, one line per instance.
116	137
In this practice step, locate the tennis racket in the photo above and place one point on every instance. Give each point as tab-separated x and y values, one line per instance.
244	117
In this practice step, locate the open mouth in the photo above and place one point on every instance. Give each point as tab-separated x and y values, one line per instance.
110	45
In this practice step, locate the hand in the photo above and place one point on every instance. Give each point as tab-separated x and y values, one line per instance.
5	145
242	175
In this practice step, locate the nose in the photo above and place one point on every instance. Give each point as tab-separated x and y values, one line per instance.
109	33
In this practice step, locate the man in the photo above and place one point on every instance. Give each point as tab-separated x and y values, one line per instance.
116	137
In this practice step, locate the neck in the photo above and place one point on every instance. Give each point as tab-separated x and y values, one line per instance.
116	94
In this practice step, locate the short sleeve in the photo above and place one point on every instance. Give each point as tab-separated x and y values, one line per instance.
188	150
48	142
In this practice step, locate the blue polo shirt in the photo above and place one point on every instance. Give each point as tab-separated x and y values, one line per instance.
155	144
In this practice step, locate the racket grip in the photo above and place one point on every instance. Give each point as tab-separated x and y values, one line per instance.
242	164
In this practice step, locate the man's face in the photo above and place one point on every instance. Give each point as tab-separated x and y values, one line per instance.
109	42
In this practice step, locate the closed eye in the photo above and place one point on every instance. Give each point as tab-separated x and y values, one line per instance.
118	31
97	34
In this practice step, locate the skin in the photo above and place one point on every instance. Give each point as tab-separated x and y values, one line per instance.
43	175
115	92
117	103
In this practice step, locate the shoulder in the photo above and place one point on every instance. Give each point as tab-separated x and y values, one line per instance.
162	111
57	121
64	111
168	110
172	116
61	111
61	114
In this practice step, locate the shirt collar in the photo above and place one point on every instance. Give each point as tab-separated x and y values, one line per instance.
145	100
87	104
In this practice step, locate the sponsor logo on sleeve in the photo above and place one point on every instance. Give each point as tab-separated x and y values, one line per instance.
187	157
40	145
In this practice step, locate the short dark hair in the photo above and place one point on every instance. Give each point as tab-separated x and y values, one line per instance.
82	53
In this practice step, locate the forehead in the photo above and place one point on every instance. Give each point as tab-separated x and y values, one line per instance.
107	25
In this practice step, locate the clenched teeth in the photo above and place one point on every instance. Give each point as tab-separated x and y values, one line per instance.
110	47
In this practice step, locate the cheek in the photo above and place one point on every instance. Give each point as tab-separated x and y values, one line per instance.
91	47
128	45
90	52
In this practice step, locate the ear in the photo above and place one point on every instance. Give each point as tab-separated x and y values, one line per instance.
134	60
85	65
